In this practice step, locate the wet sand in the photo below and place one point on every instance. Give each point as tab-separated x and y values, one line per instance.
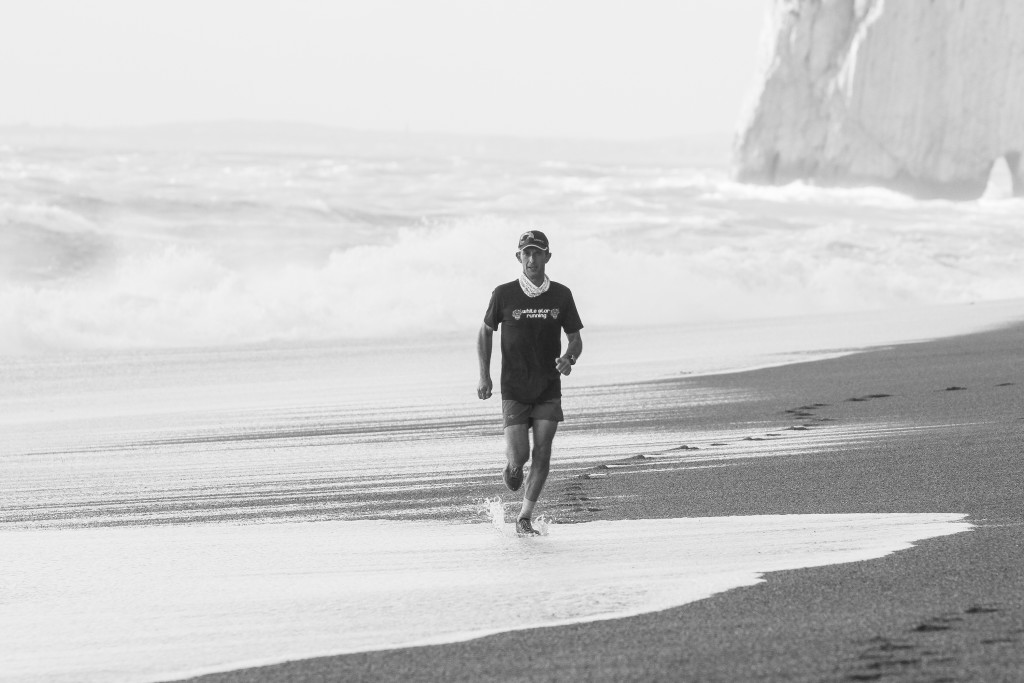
931	427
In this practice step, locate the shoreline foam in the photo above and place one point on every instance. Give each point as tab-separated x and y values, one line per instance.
264	594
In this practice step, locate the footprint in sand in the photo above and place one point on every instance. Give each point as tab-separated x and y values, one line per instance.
937	624
978	609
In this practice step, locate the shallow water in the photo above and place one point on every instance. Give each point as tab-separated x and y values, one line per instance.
150	603
357	430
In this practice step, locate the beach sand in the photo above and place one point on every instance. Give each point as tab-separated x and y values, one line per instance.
927	427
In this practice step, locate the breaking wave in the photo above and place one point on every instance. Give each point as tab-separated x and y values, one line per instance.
123	258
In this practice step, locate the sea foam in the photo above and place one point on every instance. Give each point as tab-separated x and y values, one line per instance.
152	603
107	251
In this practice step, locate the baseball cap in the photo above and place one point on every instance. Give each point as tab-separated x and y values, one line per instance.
533	238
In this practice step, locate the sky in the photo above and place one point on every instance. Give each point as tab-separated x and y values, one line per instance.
553	68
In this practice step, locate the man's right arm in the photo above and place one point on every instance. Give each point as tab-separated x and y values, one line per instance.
484	341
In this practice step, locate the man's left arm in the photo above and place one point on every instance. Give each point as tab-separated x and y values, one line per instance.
572	352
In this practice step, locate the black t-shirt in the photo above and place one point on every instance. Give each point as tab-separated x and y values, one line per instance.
531	339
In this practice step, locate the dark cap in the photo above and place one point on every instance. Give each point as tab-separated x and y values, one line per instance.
533	238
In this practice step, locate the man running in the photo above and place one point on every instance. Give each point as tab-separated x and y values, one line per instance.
532	311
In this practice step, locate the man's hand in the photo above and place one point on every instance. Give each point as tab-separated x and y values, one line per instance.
563	365
483	389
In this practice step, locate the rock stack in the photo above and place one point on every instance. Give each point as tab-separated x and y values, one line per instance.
922	96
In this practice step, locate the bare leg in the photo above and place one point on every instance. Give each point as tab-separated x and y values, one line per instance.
543	435
517	444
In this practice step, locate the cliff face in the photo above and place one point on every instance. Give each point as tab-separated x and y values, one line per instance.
922	96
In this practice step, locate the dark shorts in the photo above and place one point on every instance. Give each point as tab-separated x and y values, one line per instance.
516	413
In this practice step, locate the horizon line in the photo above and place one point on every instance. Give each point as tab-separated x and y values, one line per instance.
26	126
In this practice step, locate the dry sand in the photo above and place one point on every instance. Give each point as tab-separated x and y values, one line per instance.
949	609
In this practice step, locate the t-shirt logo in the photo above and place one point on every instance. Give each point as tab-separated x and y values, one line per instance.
517	314
554	314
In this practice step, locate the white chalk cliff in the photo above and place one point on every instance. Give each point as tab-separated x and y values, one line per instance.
922	96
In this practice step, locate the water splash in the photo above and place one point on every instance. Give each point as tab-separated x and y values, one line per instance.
493	510
543	524
496	514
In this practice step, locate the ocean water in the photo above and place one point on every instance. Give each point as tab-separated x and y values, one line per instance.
245	353
94	604
155	249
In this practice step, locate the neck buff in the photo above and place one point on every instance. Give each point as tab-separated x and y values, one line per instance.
531	290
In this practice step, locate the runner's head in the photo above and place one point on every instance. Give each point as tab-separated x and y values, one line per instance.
534	254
